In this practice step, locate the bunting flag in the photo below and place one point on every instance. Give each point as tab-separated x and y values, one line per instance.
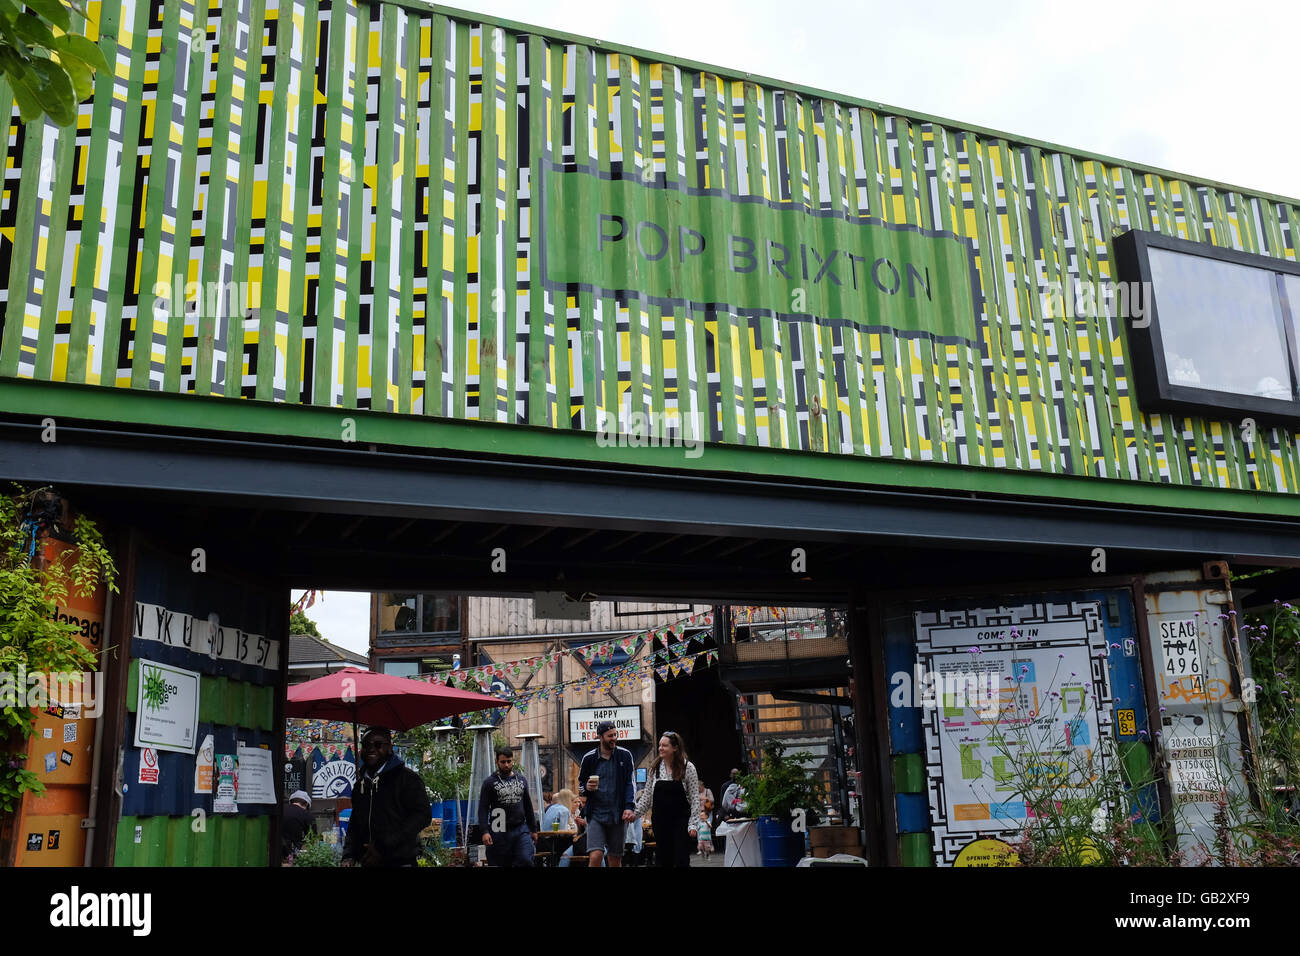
675	667
712	654
662	671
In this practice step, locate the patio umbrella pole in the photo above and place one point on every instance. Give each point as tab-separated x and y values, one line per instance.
356	750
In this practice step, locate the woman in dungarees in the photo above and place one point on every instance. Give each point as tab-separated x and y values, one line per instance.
673	797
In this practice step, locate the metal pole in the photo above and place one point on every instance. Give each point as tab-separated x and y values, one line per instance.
456	816
530	765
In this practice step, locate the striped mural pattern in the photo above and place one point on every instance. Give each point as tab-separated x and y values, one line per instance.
333	203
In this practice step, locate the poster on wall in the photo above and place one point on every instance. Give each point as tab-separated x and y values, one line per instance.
256	775
167	707
334	777
1018	694
225	800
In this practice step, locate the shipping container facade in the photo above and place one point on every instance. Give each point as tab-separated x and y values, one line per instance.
385	207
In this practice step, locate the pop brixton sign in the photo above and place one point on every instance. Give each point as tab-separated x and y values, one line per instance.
167	708
584	720
677	245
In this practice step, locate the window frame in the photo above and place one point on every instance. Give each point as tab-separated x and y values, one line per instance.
1150	372
409	637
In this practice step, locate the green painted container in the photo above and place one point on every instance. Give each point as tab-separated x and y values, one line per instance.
439	216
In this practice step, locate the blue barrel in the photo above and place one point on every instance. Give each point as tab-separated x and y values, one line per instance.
452	821
776	842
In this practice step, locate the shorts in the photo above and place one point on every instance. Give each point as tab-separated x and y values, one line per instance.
599	837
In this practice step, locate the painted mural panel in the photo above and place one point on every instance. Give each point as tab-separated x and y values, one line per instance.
370	206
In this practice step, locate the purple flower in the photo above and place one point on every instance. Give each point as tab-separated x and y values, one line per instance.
1162	710
1232	613
973	650
1060	655
1073	674
1142	732
1115	647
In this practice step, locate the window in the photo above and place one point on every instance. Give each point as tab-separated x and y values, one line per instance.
416	668
406	613
1215	331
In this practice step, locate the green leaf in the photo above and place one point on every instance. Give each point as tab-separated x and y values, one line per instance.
82	49
9	9
53	11
53	87
33	29
83	80
29	104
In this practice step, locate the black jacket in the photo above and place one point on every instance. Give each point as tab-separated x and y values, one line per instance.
388	810
295	825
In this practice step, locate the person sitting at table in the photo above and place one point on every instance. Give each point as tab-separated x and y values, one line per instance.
559	811
579	845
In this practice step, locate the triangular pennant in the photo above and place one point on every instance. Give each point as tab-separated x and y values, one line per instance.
689	665
675	668
662	671
713	654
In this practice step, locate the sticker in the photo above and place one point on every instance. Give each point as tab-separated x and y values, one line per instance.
54	710
66	757
72	711
34	842
51	762
203	767
69	733
48	732
148	765
1126	721
986	853
53	842
139	834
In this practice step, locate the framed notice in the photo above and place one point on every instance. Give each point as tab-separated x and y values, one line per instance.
167	707
1008	694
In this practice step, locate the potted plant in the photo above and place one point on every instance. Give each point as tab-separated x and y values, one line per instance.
784	798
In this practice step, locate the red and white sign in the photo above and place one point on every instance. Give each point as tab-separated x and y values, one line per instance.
148	765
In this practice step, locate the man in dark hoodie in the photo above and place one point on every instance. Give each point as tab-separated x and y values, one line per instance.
389	807
505	814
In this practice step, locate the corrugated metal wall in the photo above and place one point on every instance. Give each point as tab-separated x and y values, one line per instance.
178	825
512	617
360	177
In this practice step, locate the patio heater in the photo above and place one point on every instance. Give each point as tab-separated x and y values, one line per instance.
457	818
482	764
530	765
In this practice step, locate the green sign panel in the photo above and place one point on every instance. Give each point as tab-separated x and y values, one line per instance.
674	245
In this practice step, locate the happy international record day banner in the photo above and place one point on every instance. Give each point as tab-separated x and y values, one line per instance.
672	245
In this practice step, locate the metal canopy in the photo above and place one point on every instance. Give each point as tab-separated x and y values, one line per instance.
421	512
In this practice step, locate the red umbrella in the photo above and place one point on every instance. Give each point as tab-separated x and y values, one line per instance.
398	703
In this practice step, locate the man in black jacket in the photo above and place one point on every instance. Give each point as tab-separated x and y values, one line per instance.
296	823
506	816
389	807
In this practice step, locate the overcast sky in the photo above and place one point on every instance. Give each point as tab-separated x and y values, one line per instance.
1209	91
